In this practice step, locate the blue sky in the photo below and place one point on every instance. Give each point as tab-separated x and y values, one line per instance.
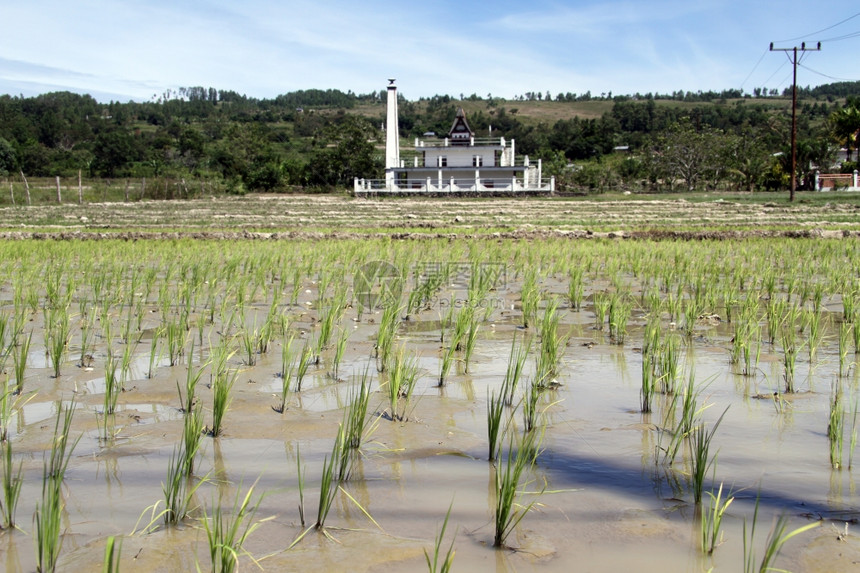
135	49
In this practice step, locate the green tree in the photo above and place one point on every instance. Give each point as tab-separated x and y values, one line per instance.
8	160
747	159
844	125
686	153
113	149
343	152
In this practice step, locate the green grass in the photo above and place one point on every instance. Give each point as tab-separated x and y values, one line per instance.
113	551
47	520
700	445
440	563
712	520
11	480
227	532
510	479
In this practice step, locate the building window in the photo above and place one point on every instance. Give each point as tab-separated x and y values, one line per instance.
477	161
442	161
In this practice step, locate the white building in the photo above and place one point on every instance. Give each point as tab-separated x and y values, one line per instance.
457	163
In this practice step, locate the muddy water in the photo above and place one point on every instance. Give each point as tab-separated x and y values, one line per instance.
608	504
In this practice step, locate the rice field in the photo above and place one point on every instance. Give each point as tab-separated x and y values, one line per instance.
330	403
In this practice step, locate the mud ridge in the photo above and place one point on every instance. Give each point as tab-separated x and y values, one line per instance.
522	234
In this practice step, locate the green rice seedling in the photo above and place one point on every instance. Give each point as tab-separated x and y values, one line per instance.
470	339
339	352
175	335
47	525
402	376
288	367
649	382
57	340
776	539
47	518
300	473
179	488
446	319
227	534
447	359
674	304
700	454
652	301
530	298
788	338
434	565
688	406
815	334
844	348
19	356
328	481
509	479
192	378
461	327
836	426
730	299
853	440
551	344
495	409
112	385
516	366
248	339
530	405
620	309
113	551
849	303
61	447
691	315
575	287
222	384
86	340
125	364
355	420
305	359
817	296
602	301
11	480
385	336
668	363
775	311
192	434
751	347
154	354
712	520
329	319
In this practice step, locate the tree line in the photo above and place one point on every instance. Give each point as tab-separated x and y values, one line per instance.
323	138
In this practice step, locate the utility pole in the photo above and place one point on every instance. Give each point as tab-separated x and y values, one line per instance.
794	51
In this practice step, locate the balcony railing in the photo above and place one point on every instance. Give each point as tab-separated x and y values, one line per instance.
513	185
418	161
473	142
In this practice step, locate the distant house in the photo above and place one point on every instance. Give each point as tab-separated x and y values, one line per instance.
457	163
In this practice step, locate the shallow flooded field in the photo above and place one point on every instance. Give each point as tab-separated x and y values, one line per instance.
631	353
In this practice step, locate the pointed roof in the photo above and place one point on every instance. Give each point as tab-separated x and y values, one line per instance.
460	130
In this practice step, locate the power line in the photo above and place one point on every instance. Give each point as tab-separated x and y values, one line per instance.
819	31
822	74
755	67
842	37
776	71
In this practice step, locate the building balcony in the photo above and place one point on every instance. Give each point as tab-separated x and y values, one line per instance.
455	186
494	142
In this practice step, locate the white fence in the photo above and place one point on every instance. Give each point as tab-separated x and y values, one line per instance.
486	186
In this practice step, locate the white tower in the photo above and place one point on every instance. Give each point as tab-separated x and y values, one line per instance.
392	134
